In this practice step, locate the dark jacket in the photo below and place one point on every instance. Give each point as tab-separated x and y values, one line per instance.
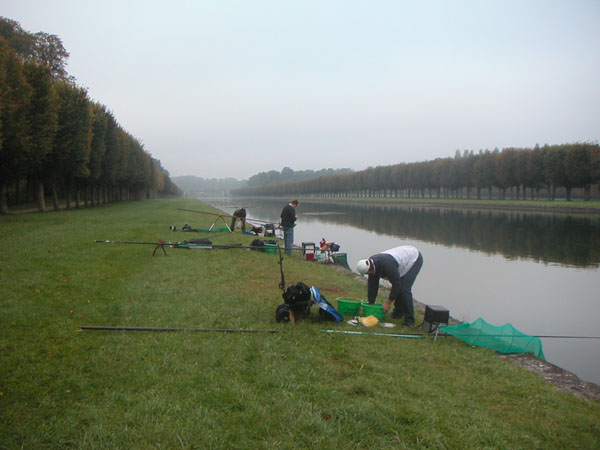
240	213
385	267
288	216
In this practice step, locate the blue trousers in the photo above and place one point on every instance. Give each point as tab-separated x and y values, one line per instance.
403	305
288	239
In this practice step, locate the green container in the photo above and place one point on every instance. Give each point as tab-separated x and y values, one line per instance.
348	306
270	249
376	309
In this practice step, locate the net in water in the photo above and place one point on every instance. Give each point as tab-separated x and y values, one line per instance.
503	339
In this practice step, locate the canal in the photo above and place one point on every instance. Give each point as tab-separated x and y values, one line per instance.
539	272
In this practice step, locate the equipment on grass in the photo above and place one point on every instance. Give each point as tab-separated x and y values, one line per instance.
189	229
503	339
298	300
192	244
219	216
368	333
269	227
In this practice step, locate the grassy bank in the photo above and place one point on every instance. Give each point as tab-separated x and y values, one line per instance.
297	388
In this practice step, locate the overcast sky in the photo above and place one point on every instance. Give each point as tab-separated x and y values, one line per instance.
228	88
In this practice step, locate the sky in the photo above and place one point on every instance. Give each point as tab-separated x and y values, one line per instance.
231	88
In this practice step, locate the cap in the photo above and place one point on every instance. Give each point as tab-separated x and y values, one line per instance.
363	266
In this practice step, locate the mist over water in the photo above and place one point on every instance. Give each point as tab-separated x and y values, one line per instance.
539	272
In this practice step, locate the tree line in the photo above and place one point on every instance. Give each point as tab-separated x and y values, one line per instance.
55	138
520	173
287	174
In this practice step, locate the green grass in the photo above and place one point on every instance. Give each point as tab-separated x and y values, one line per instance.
298	388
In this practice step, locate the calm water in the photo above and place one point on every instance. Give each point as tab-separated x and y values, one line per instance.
539	272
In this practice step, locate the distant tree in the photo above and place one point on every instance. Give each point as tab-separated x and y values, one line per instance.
48	51
578	168
505	170
534	170
16	38
97	149
68	161
15	142
42	119
554	169
40	48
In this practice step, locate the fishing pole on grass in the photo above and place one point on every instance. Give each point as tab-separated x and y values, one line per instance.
203	330
190	245
419	335
206	246
409	336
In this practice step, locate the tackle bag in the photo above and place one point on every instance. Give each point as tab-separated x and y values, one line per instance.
257	245
297	293
198	242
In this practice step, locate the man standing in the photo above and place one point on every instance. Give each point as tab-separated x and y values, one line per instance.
400	266
241	215
288	222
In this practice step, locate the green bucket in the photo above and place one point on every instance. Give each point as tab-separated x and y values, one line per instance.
348	306
376	309
270	249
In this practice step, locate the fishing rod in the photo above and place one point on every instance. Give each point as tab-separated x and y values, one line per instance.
203	330
408	335
466	335
192	246
261	222
187	245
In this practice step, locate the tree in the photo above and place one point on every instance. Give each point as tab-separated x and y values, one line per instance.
578	168
41	48
97	148
48	51
15	95
16	38
70	154
505	170
554	169
43	116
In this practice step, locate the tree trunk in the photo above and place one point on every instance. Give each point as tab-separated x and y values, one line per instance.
54	196
3	205
77	197
39	194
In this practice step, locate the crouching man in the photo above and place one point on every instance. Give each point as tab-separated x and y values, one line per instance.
400	266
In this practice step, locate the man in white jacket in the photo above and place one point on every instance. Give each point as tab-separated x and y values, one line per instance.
400	266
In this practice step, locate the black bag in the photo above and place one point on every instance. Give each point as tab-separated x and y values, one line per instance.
297	293
257	245
269	229
198	242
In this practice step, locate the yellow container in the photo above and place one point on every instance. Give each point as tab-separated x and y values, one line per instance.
376	309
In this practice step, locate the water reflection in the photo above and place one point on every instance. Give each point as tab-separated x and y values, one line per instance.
556	239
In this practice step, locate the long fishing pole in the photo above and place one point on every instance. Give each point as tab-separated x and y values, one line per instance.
260	222
192	245
467	335
204	330
408	335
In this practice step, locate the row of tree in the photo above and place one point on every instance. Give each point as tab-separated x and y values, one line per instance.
491	174
54	137
287	174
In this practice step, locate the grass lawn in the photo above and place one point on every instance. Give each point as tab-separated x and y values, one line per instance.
61	387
